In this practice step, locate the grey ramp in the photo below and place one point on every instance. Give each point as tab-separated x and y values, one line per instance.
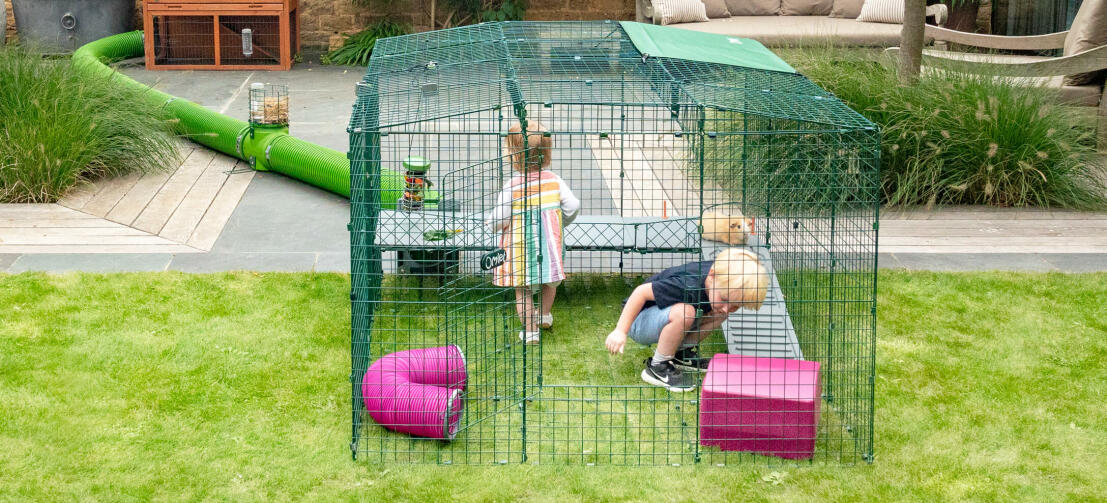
768	331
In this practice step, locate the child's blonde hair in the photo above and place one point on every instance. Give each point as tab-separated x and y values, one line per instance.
536	154
740	274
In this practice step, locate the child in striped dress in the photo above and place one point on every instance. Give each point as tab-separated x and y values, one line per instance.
531	211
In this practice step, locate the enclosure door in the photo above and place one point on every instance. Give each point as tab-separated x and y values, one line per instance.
481	317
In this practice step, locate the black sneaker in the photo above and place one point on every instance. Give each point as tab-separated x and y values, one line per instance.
689	359
667	376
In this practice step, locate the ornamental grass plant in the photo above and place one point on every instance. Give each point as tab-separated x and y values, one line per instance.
964	139
59	126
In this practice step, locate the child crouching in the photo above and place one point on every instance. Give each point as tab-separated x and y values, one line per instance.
680	306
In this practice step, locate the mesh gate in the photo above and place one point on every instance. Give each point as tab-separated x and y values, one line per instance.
650	146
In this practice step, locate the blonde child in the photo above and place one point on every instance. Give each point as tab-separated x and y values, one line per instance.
531	211
680	306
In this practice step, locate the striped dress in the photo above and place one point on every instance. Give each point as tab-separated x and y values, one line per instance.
532	211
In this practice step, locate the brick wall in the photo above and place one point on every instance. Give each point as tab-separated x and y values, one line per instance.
11	20
321	21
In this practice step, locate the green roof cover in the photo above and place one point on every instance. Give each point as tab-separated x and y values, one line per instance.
678	43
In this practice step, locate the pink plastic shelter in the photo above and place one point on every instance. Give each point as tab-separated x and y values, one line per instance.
764	405
417	391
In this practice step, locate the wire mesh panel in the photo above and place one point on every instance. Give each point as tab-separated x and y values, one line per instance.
195	34
249	40
715	223
184	40
268	104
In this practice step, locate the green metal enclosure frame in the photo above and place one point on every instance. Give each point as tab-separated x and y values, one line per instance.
769	144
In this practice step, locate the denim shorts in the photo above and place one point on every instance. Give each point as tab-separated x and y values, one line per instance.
646	329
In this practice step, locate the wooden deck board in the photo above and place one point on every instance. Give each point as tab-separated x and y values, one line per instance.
79	195
180	225
129	207
113	190
9	211
211	225
78	240
624	199
158	248
189	204
642	179
162	206
658	150
992	249
55	223
969	233
26	232
667	155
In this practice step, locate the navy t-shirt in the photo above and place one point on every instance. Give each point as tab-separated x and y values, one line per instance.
683	283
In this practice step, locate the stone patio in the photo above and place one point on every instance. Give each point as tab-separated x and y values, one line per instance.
212	213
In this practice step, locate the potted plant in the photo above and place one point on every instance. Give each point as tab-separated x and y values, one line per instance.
65	25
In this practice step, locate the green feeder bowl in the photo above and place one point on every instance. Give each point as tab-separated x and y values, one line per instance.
416	164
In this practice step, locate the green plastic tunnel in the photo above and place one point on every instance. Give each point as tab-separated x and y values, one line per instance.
272	149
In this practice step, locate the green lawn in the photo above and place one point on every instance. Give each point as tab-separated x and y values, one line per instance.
234	387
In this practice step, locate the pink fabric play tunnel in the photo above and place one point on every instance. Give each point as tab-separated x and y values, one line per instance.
417	391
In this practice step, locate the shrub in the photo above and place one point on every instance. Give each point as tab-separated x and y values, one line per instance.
791	170
357	48
61	127
962	139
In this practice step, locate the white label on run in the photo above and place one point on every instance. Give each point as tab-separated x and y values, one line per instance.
734	40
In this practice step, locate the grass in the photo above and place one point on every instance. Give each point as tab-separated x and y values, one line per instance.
234	387
61	127
593	408
962	139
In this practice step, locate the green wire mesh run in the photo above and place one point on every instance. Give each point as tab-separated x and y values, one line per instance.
648	145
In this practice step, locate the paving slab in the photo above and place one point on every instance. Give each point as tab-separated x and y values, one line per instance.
887	261
267	262
321	97
7	259
280	214
974	262
283	224
91	262
1078	262
333	262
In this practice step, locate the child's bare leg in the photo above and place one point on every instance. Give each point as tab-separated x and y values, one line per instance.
548	294
524	305
681	318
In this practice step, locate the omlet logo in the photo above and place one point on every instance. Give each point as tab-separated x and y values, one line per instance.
493	259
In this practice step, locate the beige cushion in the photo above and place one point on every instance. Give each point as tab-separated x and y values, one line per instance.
1082	95
753	7
846	9
882	11
716	8
679	11
802	30
805	7
1089	30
